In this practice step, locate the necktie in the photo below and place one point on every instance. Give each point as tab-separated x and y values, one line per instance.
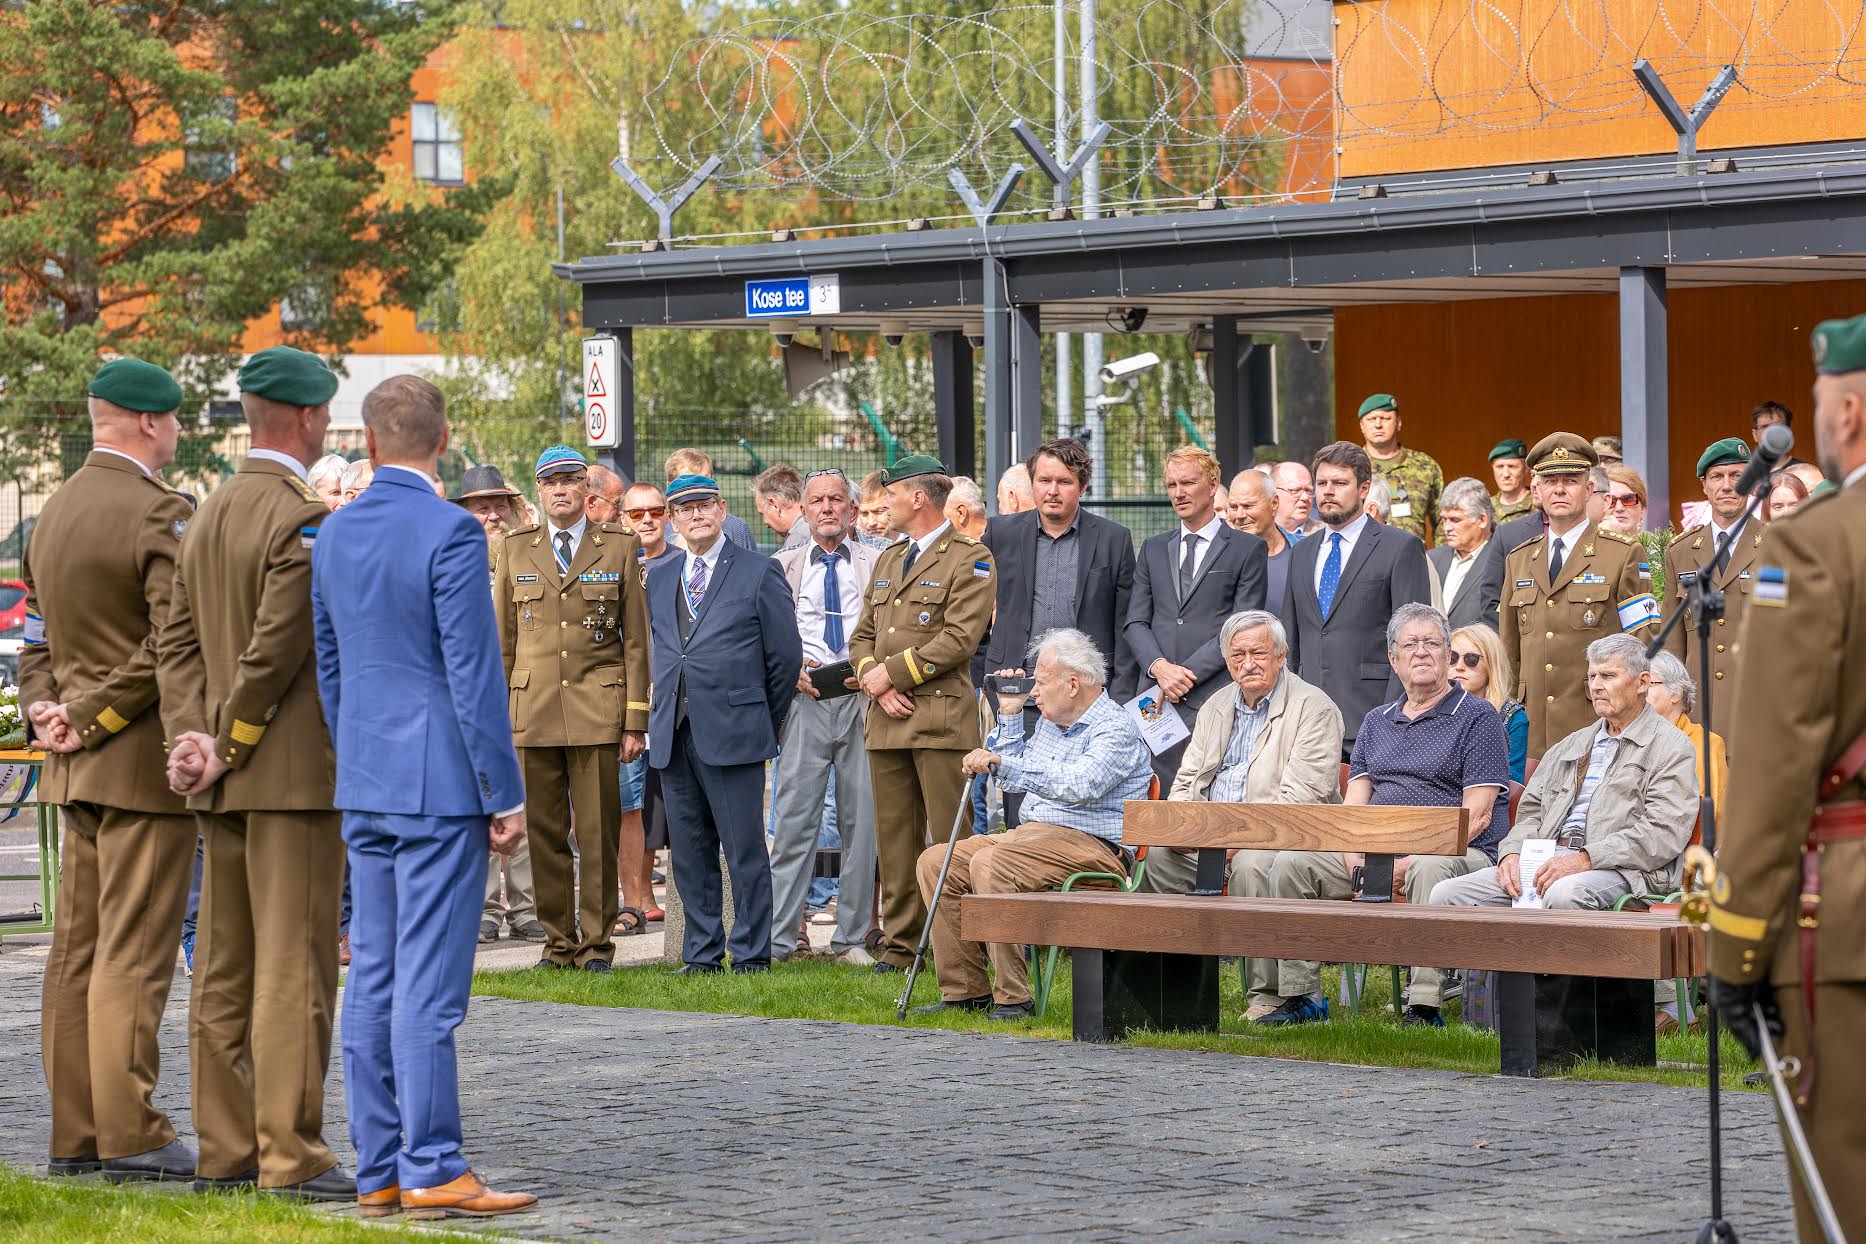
1331	575
696	586
913	551
563	553
1555	561
1189	551
832	602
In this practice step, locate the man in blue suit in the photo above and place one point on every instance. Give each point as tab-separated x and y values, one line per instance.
726	657
413	688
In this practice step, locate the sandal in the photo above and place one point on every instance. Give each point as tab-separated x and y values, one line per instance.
630	922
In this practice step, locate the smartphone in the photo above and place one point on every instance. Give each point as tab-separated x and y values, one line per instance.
1001	685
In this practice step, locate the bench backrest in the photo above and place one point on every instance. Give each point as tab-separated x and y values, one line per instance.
1296	827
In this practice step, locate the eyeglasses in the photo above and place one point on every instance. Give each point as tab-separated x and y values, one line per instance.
653	511
1469	660
687	508
564	477
835	471
1422	645
1624	501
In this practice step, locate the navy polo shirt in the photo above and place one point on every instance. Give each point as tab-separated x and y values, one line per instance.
1431	760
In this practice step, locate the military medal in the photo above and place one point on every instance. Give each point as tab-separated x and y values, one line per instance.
527	614
1588	618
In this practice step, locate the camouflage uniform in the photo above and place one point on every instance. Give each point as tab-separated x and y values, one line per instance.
1506	512
1415	481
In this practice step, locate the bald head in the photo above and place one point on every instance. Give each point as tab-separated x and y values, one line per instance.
1014	491
150	439
1250	504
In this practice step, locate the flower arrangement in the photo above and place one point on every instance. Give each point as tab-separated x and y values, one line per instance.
12	725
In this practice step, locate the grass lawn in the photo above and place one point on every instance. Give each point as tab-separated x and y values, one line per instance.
823	990
42	1211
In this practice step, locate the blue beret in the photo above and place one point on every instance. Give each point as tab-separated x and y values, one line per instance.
690	488
560	460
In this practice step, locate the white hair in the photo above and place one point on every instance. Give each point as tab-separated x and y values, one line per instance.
1625	649
1470	498
358	474
1380	498
965	491
330	467
1074	651
1250	620
1669	670
1413	611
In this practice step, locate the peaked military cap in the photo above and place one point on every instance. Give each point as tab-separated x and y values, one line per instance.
1562	453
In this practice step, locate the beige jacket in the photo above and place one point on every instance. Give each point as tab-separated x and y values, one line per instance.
1297	760
1640	819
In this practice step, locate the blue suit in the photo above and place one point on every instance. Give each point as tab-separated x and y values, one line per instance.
413	687
738	669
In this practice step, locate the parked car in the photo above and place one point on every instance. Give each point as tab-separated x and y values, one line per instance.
12	605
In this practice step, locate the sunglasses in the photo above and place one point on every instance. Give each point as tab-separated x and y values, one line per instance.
1469	660
1628	502
653	511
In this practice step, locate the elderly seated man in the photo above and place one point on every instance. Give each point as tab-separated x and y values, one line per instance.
1269	737
1084	762
1618	797
1437	746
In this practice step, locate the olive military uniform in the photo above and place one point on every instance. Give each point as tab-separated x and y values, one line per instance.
99	570
923	623
576	656
236	663
1789	902
1688	555
1416	483
1603	586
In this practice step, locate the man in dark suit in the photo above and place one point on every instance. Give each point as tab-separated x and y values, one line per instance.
1472	578
726	656
1345	581
409	673
1186	583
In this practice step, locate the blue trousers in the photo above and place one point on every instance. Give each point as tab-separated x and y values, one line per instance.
418	882
710	807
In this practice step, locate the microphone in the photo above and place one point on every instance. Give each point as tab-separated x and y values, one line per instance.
1777	440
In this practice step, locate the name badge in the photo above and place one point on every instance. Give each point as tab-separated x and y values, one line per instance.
882	582
1687	577
1525	583
929	583
525	578
1402	509
1743	575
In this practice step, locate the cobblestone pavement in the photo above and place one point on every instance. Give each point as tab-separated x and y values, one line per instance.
655	1125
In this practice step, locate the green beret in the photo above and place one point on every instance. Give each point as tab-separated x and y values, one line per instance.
1729	449
289	376
1379	401
1840	346
1563	453
136	385
910	466
1511	448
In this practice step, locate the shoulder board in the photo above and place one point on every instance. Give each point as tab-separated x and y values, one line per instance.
1535	539
526	530
959	537
1611	534
301	488
1690	531
615	529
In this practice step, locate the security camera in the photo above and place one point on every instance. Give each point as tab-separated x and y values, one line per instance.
1126	319
785	331
1315	336
1128	368
892	332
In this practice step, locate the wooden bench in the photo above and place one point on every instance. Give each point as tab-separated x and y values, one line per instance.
1572	985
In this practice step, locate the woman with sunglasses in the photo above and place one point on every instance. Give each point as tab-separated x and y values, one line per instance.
1481	667
1626	501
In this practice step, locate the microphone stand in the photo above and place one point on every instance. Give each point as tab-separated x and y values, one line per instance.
1705	601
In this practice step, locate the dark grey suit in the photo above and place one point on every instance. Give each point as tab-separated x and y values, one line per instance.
1104	580
1345	654
1482	588
1232	576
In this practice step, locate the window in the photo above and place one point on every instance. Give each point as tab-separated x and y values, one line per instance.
306	308
438	154
206	137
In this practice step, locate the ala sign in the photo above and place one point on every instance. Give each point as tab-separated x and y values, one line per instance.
599	390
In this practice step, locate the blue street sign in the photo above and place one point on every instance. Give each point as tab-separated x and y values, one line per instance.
778	297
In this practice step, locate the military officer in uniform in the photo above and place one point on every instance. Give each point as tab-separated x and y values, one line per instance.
1692	551
249	747
99	569
1788	908
1565	588
573	628
929	603
1509	467
1414	479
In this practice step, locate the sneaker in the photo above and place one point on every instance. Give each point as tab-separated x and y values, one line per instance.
529	931
1014	1010
856	956
187	955
488	932
1422	1017
1257	1010
1308	1009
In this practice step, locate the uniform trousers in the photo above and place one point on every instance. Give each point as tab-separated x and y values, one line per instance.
917	792
820	735
123	884
412	938
575	791
1034	856
510	895
1323	874
1247	876
265	989
1835	1116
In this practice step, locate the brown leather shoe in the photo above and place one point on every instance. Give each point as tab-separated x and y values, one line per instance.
465	1196
380	1203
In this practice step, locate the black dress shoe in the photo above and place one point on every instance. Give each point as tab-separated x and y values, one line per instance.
332	1185
955	1004
756	965
1014	1010
173	1161
698	969
597	965
551	963
245	1179
883	967
88	1164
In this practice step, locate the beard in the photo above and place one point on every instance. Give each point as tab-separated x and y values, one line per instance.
1334	518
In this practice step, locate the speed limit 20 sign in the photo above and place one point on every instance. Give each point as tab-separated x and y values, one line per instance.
600	357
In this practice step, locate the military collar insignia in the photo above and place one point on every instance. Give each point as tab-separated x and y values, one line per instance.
1588	551
179	526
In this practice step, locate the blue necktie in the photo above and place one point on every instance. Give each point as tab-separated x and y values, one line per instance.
1331	575
832	602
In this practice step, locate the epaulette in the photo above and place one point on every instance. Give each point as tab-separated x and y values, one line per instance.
959	537
1535	539
615	529
302	489
526	530
1612	534
1689	531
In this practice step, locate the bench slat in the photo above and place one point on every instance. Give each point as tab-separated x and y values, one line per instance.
1295	827
1629	945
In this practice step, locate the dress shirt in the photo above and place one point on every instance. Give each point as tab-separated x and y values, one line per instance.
99	449
426	479
1599	759
926	542
1247	726
1854	476
1080	777
1349	534
810	607
285	460
710	557
1053	603
1566	543
576	531
1460	566
1208	536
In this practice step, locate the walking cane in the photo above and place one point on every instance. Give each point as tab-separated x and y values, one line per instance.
939	888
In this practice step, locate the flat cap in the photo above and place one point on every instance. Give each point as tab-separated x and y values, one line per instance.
1379	401
690	488
136	385
483	481
910	466
1562	453
1729	449
1511	448
1840	346
289	376
560	460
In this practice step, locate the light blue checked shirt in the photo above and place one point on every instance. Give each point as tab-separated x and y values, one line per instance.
1079	777
1246	728
1599	760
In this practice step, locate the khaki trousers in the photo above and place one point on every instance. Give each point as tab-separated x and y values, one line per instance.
121	896
1247	876
1034	856
916	793
1323	874
509	890
575	791
265	988
1835	1116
